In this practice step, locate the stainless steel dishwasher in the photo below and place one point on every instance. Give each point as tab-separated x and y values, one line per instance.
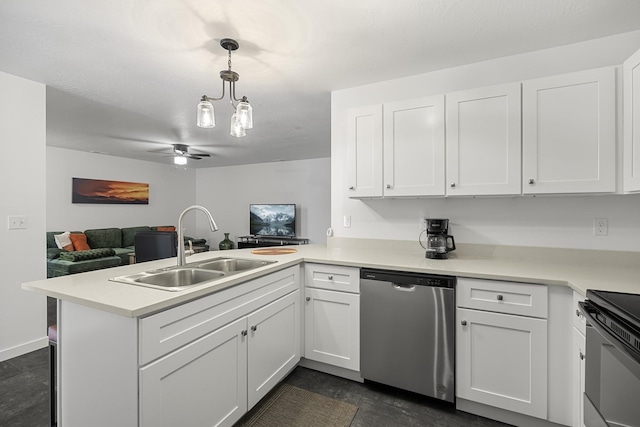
407	331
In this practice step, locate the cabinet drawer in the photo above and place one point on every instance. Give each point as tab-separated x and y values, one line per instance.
523	299
332	277
579	321
164	332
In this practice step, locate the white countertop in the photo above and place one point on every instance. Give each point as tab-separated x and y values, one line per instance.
579	269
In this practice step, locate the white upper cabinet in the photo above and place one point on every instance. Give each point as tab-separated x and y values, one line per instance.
414	147
631	119
484	141
569	133
364	151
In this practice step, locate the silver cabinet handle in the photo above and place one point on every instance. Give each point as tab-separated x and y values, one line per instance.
453	184
388	185
351	187
532	181
578	313
254	328
463	323
330	277
582	356
243	333
308	298
500	297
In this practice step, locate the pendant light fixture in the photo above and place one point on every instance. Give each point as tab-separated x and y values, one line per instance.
242	119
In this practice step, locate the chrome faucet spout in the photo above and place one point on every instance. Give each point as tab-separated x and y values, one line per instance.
212	224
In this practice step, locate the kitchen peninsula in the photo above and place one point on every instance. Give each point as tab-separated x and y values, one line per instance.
120	343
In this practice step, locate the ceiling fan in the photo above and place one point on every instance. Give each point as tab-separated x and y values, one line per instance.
181	152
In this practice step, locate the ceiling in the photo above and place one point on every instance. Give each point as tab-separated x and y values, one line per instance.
123	77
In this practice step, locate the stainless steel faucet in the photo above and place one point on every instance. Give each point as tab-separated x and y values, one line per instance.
212	223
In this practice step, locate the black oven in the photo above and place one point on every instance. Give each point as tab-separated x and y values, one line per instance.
612	366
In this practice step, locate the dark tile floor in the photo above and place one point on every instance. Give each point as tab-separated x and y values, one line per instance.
382	406
24	390
24	396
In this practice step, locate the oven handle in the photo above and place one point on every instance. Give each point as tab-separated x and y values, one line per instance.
613	340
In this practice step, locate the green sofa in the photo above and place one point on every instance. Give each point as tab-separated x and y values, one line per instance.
110	247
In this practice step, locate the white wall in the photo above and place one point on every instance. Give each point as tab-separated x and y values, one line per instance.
23	320
559	221
228	191
171	190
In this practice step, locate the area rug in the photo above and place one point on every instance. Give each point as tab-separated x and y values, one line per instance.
289	406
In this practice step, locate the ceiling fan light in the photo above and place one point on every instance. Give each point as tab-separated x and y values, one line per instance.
179	160
245	114
236	128
205	117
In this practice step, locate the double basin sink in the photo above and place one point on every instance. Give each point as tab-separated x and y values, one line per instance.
192	274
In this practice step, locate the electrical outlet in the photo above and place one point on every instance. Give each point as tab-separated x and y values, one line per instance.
600	227
347	221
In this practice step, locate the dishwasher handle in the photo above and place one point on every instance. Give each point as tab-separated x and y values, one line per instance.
403	288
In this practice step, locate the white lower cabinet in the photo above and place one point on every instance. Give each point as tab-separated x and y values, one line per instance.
578	355
215	380
578	364
274	345
202	384
207	362
501	359
332	315
332	333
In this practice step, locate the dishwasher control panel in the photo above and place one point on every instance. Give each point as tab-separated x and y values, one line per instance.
408	278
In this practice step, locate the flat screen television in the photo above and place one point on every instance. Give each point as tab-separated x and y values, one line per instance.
272	220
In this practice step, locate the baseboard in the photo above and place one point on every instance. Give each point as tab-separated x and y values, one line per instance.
502	415
331	370
19	350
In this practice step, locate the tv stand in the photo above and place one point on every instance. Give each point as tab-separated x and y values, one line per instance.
266	241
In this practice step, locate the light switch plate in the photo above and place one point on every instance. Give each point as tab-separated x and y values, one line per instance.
17	222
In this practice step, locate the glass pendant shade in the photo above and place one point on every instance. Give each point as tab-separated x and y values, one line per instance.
179	160
236	128
245	115
205	115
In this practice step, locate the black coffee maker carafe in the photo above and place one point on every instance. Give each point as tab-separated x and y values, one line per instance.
439	243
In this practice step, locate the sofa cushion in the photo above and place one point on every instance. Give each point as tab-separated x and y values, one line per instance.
85	255
123	253
53	253
63	241
60	267
104	238
79	241
129	233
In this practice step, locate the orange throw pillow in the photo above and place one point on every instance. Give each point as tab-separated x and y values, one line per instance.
79	241
172	228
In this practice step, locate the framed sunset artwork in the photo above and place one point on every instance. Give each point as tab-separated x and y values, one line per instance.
109	192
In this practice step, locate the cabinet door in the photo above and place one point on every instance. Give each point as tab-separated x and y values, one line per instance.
569	133
631	111
364	151
274	344
501	360
414	147
577	362
332	328
202	384
484	141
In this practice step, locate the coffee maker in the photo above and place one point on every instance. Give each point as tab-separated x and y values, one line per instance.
439	243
